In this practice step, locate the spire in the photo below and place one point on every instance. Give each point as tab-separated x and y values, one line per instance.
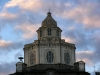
49	10
49	21
49	14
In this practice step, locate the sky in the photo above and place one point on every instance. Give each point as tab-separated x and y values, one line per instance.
78	19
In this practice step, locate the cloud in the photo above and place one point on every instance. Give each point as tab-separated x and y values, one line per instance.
25	4
91	57
8	15
86	13
96	45
18	54
7	68
29	31
67	39
7	18
28	14
87	43
8	45
78	37
86	56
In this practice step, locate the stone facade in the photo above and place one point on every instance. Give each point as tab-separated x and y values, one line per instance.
49	54
51	69
49	39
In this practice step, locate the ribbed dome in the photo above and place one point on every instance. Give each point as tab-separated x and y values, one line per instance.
49	21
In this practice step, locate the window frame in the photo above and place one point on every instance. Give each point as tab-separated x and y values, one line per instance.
49	31
49	57
67	58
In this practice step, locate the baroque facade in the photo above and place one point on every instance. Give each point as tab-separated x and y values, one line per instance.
49	48
49	54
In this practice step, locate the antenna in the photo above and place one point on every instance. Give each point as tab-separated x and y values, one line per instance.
20	58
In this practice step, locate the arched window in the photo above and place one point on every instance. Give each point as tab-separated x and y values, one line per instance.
32	58
49	32
49	57
66	57
40	33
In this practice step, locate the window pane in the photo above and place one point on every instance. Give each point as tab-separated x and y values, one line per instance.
49	31
49	57
67	58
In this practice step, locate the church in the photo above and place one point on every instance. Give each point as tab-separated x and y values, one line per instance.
49	54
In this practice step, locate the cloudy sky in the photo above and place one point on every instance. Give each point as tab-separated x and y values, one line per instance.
79	20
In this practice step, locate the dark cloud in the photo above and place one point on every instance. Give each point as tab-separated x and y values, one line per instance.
92	55
87	43
7	68
79	35
96	45
19	54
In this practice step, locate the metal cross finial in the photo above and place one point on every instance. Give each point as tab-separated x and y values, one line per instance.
49	10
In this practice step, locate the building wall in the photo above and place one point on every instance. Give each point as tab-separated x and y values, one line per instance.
48	42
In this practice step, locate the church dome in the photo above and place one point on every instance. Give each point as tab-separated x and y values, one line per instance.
49	21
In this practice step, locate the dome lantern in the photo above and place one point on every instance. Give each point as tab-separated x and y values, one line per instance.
49	21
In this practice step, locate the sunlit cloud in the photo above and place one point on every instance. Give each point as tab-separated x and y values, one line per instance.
70	40
4	44
25	4
9	45
27	15
7	15
84	14
29	31
85	56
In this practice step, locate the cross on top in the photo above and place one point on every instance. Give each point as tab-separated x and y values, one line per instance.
49	10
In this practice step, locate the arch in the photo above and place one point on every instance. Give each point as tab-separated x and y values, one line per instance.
67	57
49	56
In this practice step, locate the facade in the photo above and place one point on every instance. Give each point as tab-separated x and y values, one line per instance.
49	54
49	48
97	73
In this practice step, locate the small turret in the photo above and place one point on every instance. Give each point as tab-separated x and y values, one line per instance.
20	66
